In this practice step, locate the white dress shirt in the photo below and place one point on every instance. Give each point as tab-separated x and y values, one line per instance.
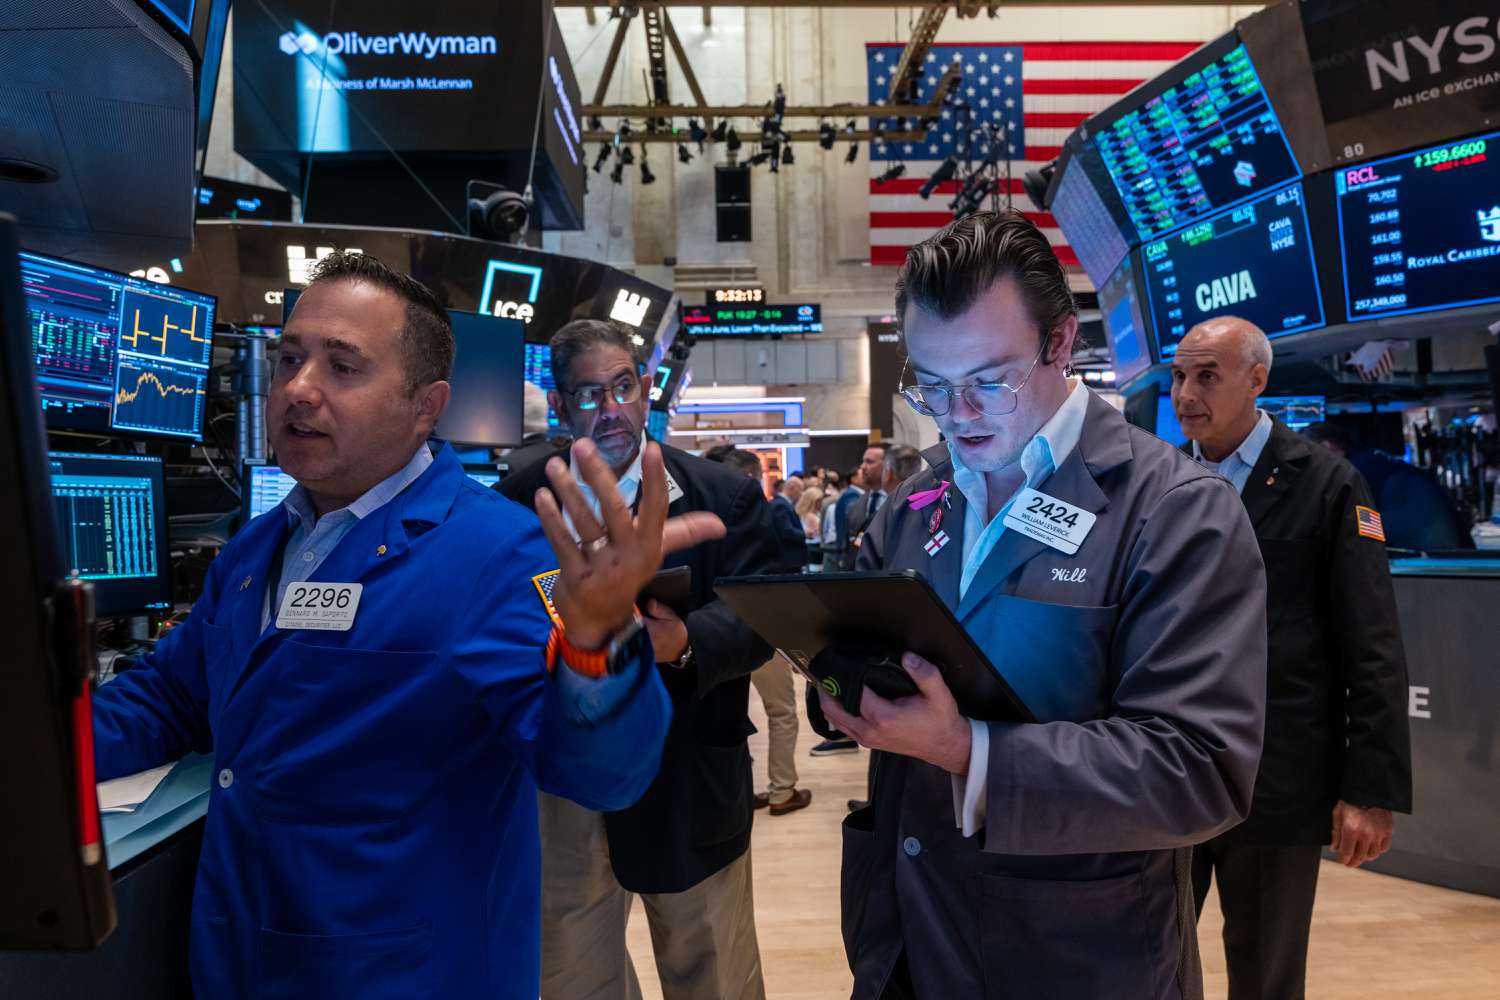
1236	467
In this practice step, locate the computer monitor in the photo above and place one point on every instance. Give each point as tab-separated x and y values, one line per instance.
1168	427
487	400
1294	411
263	488
113	518
539	374
1125	322
1200	138
484	475
1255	261
117	354
1421	231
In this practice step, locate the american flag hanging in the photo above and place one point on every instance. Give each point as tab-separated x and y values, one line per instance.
1032	93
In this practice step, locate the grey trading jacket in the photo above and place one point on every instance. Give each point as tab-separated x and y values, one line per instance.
1144	657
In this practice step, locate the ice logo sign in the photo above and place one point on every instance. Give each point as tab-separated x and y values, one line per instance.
630	308
1489	224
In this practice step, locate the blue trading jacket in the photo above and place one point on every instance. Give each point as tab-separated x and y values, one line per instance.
372	831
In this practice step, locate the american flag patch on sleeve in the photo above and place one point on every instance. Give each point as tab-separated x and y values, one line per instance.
1367	519
544	582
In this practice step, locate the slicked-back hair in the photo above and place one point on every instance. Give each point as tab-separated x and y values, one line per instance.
427	347
945	273
581	335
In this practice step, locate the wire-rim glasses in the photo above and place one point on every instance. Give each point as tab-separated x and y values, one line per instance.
994	399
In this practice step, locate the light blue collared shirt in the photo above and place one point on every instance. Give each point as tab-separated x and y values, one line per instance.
1039	459
1237	467
1051	446
314	538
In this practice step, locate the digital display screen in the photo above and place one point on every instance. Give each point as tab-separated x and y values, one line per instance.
1124	323
112	513
538	372
265	487
1168	427
117	353
1092	232
1210	141
486	401
1294	411
1254	261
484	477
1421	231
752	321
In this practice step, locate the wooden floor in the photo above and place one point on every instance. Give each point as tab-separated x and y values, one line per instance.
1373	936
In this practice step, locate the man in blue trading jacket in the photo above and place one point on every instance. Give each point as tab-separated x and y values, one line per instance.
367	664
1048	859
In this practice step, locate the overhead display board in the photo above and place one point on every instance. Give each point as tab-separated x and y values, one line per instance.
1200	138
1125	322
1086	210
1254	261
1421	231
752	321
1397	74
735	294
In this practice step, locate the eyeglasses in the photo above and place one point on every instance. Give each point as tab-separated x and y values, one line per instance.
994	399
625	389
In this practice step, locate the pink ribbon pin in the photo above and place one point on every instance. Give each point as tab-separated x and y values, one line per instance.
927	498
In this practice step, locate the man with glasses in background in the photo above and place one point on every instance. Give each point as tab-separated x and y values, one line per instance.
1119	590
684	847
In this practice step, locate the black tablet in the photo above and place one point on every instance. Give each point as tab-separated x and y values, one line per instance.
673	587
800	614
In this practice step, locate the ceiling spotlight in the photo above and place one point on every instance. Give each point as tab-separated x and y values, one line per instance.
696	133
850	126
604	150
825	135
775	152
944	172
853	153
778	106
595	123
618	174
647	177
733	140
622	133
891	173
718	132
683	156
759	158
627	155
786	154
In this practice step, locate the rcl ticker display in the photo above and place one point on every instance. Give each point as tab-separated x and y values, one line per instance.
1421	231
1207	143
1254	261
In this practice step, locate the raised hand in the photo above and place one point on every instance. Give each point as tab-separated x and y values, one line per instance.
609	563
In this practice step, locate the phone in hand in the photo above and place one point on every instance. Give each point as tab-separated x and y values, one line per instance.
672	587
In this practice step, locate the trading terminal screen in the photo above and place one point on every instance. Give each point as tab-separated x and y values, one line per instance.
1209	142
1124	323
115	353
1093	232
1253	261
113	523
1294	411
265	487
1421	231
485	407
539	374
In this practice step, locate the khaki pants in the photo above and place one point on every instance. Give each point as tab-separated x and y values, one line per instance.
778	690
704	938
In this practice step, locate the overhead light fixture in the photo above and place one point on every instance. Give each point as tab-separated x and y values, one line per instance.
647	177
775	152
718	132
759	158
778	106
683	156
825	135
696	133
732	141
944	172
786	154
627	155
618	174
853	153
891	173
604	150
595	123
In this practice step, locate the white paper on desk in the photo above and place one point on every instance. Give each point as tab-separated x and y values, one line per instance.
125	795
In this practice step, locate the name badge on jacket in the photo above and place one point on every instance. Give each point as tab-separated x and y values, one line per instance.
328	607
1049	520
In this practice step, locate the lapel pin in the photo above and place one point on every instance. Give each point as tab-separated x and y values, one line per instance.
1270	480
245	583
380	551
